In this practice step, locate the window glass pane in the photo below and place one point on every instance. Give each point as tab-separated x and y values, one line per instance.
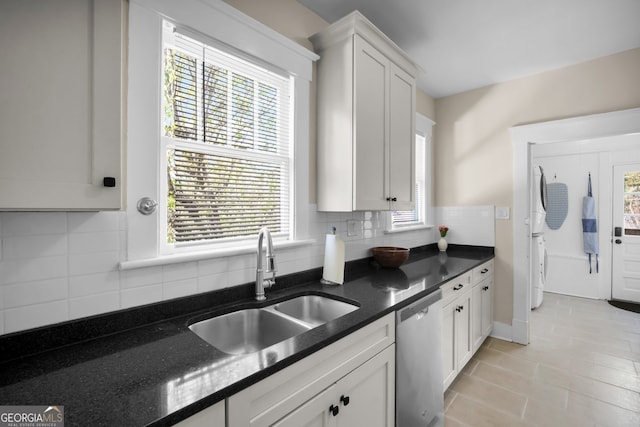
214	197
632	203
227	144
215	104
417	215
180	95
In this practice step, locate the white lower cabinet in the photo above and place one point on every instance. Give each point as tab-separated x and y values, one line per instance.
364	397
482	300
213	416
467	318
456	319
353	378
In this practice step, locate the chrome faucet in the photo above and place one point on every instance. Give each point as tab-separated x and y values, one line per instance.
261	282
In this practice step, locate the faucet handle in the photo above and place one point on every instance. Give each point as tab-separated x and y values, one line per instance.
267	283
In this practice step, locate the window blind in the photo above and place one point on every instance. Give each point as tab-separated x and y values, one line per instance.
227	141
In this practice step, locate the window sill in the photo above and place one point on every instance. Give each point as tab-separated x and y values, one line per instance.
201	255
409	228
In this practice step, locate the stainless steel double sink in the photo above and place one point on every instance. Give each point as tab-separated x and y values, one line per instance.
253	329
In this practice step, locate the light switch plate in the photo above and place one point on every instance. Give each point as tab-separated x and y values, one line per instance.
502	213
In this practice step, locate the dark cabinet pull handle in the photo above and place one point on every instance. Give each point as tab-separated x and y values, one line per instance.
394	199
484	270
457	288
344	400
486	288
459	308
334	410
109	181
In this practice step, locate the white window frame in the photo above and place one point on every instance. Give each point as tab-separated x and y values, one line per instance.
424	127
167	143
228	26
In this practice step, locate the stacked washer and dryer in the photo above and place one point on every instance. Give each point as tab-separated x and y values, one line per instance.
538	249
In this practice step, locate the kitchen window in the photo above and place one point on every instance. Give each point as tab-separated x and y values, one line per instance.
218	111
225	145
418	217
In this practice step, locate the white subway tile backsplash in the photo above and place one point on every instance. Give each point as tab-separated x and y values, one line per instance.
173	272
96	262
140	296
33	223
30	246
28	293
212	282
179	288
242	262
239	277
88	222
93	284
32	316
141	277
97	241
468	225
77	254
212	266
93	304
40	268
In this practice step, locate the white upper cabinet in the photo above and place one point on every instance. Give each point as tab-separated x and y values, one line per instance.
366	119
62	90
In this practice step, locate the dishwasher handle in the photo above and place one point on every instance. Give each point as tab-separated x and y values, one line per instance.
420	307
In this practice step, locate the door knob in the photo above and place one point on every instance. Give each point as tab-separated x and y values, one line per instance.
344	400
334	410
618	241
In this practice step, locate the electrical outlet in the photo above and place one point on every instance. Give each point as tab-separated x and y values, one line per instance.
354	227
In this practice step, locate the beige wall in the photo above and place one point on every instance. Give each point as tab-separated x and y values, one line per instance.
292	19
472	146
473	150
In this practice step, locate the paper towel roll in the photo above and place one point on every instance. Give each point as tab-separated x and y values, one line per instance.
333	271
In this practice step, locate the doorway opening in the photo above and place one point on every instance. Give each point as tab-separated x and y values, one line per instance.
580	128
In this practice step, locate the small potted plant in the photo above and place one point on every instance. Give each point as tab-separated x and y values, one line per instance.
442	243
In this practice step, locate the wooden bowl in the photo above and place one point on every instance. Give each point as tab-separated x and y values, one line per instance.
390	256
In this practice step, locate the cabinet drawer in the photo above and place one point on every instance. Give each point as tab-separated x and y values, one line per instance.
263	403
483	271
454	287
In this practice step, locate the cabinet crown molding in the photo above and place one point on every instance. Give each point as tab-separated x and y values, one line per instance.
356	23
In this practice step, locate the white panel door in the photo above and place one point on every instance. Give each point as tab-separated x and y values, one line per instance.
401	140
317	412
61	85
625	280
370	150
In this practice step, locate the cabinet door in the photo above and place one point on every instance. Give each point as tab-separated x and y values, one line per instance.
402	139
62	78
464	346
367	395
371	90
487	307
317	412
477	315
448	344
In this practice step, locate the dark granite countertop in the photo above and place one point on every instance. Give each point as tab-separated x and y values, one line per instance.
106	372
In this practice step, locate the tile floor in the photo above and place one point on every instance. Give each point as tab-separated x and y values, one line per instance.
582	368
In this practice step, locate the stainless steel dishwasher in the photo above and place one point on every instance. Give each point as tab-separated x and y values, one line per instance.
419	389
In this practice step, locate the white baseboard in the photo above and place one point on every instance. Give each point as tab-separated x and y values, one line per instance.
502	331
